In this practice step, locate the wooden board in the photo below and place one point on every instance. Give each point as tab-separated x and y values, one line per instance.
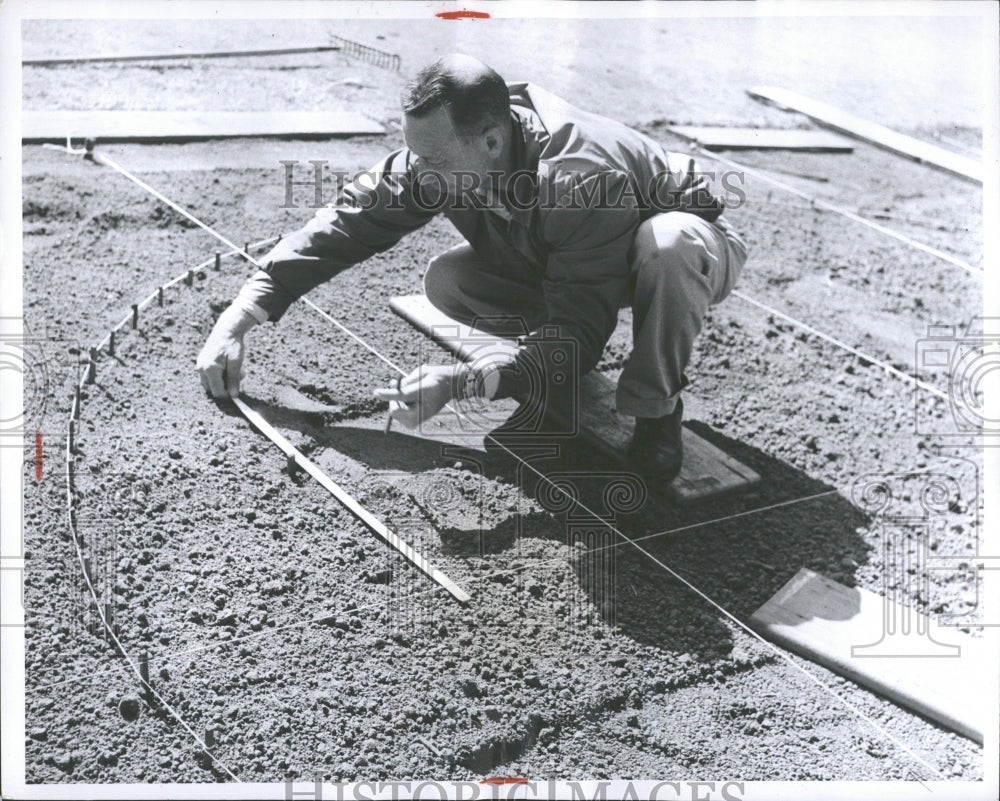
935	671
707	471
189	126
879	135
764	139
178	54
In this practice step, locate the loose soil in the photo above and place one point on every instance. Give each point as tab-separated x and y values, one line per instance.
274	618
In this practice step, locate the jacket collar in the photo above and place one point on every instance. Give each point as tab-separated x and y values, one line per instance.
527	138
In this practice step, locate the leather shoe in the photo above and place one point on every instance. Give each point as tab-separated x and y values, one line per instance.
656	449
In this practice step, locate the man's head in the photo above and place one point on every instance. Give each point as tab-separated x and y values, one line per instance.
456	118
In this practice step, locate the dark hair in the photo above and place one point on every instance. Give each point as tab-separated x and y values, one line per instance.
473	94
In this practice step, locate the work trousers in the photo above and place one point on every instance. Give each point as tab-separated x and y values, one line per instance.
679	265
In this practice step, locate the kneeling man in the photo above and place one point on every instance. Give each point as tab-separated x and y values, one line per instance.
568	216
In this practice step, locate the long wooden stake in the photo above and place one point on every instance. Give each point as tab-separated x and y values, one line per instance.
366	517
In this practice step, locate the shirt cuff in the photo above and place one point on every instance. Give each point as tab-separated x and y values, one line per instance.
488	381
475	382
250	308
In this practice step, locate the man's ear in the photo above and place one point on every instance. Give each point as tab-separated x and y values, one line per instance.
493	141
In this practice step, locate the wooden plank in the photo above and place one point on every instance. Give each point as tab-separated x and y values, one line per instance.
935	671
190	126
178	54
878	135
712	138
376	526
707	471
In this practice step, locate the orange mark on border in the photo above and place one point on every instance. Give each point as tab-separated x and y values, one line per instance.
503	780
463	14
38	455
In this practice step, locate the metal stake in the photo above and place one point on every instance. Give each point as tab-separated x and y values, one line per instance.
135	315
92	621
92	366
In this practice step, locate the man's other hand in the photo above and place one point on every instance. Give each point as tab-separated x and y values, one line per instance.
220	362
421	395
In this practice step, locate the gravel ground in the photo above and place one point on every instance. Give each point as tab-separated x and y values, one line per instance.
275	619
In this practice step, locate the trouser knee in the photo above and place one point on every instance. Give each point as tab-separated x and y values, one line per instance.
680	255
440	283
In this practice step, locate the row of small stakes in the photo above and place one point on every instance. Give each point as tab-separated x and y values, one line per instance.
105	612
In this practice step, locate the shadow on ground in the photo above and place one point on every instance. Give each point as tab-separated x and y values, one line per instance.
630	550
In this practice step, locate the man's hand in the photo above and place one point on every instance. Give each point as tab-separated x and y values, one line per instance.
220	362
422	394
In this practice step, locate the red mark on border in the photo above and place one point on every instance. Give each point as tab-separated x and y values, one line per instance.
463	14
503	780
38	455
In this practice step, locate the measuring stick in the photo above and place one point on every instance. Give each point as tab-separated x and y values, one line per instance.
355	508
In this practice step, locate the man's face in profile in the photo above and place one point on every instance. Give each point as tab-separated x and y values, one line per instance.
438	148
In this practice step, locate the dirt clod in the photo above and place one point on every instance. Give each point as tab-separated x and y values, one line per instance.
129	707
